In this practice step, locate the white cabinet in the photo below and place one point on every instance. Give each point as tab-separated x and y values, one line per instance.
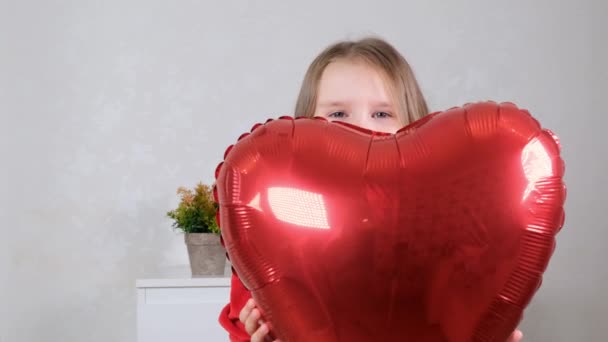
181	309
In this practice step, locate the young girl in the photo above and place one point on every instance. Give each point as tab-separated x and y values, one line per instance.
366	83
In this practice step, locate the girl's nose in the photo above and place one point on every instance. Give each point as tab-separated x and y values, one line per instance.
359	119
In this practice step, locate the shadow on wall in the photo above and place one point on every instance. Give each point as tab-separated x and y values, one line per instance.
77	280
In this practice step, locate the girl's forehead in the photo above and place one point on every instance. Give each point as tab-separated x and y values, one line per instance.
347	80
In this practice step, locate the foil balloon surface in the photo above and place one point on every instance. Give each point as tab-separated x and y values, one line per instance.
440	232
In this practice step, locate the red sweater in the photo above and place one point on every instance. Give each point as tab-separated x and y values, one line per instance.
229	317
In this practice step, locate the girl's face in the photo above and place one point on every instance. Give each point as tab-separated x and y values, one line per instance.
356	93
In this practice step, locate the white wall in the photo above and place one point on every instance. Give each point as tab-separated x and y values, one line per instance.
107	106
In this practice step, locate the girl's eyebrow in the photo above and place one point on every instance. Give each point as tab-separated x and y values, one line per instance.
378	104
332	104
382	104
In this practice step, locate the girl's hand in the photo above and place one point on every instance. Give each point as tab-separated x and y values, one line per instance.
516	336
251	317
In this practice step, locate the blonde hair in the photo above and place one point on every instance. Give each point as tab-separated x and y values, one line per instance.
377	53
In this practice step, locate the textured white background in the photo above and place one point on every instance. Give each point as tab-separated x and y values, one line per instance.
107	106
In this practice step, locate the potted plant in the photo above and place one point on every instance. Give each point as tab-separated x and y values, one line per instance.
195	217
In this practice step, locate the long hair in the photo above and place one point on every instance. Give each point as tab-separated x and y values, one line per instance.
378	54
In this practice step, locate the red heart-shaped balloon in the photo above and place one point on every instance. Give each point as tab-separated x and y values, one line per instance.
440	232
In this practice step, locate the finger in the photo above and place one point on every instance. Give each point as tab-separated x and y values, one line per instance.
260	334
516	336
246	311
251	323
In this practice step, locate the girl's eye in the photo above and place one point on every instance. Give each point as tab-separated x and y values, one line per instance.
337	115
381	115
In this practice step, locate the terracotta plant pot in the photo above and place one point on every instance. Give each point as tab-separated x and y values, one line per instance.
207	256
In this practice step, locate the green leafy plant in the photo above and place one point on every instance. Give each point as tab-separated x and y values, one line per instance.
196	210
